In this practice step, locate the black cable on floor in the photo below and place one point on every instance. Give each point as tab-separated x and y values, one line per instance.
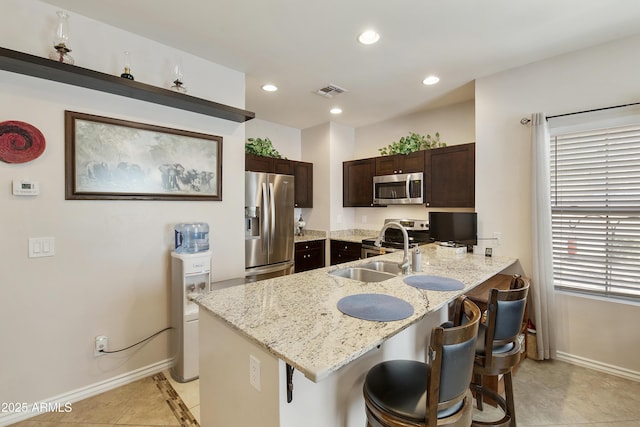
138	343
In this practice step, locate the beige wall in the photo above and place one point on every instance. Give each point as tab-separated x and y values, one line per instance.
110	274
589	331
455	123
342	146
285	139
316	149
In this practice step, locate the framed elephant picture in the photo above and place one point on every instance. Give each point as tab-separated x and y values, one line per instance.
113	159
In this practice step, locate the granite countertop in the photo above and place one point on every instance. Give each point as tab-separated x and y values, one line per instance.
296	319
310	235
352	235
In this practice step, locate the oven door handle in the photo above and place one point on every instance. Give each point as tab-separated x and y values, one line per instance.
408	194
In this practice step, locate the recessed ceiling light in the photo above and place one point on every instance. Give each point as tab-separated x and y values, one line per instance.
336	110
431	80
269	88
369	37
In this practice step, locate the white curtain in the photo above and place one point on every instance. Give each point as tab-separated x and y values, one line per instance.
542	274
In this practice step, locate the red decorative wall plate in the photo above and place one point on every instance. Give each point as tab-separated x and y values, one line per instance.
20	142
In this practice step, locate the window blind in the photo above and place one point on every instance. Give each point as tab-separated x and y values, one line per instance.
595	204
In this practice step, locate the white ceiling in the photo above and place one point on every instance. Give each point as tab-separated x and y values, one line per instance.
303	45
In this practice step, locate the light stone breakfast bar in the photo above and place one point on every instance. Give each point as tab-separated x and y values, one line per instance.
258	331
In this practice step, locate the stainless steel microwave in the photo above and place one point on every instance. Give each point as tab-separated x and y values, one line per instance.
399	189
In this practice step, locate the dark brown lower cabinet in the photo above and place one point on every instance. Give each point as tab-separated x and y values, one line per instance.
309	255
343	251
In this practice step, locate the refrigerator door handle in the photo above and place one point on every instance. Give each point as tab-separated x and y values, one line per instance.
272	211
265	219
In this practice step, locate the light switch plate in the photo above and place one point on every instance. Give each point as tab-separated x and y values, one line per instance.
42	246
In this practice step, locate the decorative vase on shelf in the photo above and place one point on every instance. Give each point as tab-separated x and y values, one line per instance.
127	67
178	73
61	50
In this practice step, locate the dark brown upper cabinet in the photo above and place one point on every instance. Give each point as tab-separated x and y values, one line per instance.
400	163
357	182
303	173
450	178
255	163
282	166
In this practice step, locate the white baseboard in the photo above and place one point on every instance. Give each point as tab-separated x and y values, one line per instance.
598	366
85	392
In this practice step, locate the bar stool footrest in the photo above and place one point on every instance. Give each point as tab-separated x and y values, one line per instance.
505	421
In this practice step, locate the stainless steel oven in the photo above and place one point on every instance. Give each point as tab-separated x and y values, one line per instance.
417	230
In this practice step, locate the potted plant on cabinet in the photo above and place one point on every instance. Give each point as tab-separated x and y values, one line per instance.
412	143
261	147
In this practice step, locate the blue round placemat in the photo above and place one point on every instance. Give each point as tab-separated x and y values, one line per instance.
434	283
377	307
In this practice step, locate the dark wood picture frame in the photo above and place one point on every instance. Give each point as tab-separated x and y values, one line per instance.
113	159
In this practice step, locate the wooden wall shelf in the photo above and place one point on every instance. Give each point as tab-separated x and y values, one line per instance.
35	66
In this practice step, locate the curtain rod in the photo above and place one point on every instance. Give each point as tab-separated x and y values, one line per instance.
526	121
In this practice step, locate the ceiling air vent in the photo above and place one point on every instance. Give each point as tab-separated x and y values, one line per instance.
330	91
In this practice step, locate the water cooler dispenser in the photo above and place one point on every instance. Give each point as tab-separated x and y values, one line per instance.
190	274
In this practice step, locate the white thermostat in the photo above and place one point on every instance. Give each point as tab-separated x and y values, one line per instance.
26	188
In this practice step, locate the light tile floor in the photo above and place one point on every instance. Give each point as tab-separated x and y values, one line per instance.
558	394
157	400
550	393
189	392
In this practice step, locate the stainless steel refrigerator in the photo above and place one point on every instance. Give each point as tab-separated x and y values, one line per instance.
269	225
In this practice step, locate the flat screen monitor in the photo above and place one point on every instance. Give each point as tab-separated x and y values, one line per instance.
457	227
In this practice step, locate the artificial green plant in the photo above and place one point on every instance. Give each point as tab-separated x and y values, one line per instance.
261	147
411	143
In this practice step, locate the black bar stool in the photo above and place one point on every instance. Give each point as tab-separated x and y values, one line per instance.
499	349
410	393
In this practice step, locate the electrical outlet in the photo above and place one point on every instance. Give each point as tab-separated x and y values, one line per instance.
498	236
102	343
254	372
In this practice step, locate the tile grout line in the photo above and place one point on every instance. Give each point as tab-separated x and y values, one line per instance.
173	399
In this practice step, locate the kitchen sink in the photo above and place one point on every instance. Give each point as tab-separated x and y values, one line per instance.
362	274
384	266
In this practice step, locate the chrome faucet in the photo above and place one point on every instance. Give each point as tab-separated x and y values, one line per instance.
404	265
